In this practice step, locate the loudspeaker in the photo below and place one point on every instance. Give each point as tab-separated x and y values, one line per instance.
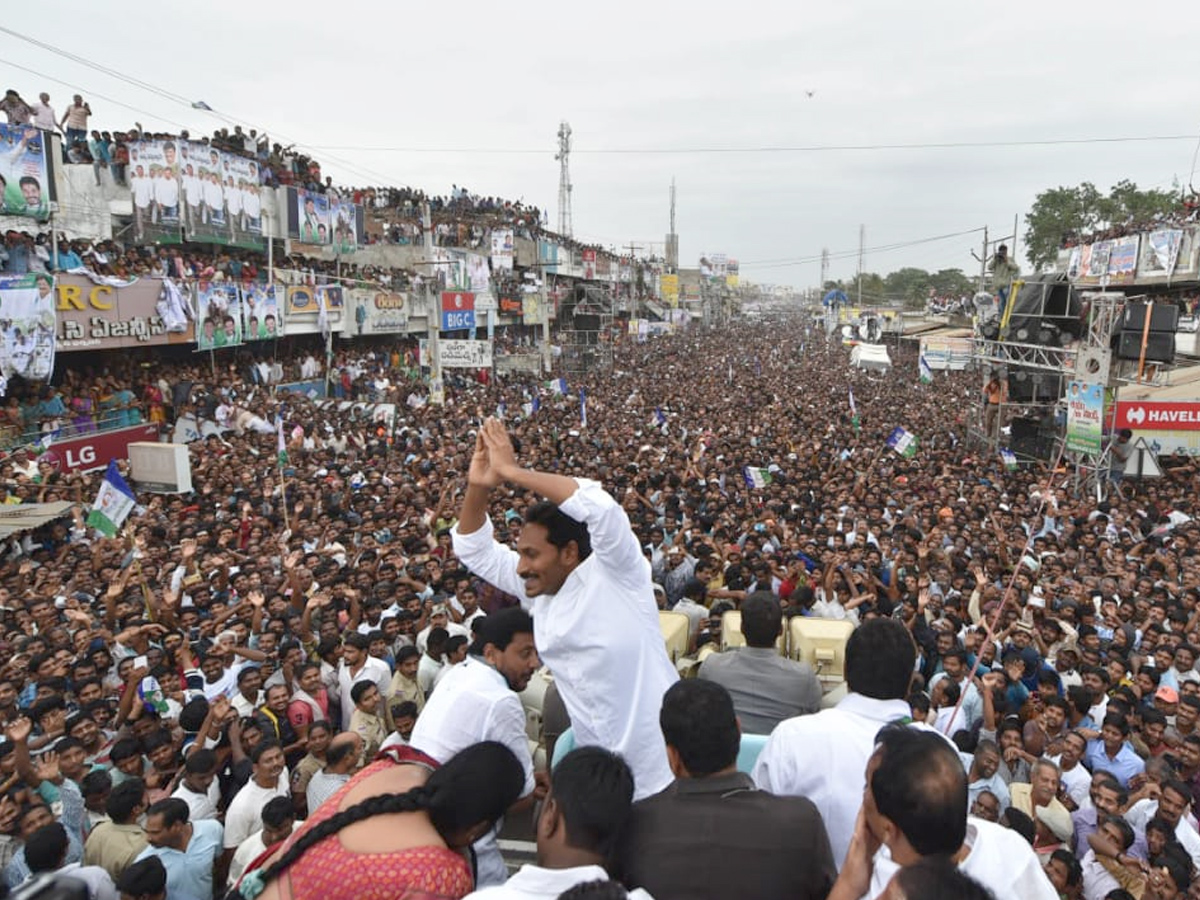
1032	385
587	323
1160	345
1163	317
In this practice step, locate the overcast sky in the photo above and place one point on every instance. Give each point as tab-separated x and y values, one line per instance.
360	76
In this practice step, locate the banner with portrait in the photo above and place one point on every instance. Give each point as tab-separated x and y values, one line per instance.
219	315
243	201
26	182
377	312
27	327
502	249
154	188
262	320
202	183
346	226
313	218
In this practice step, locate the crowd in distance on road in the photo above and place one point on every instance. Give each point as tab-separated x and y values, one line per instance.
181	698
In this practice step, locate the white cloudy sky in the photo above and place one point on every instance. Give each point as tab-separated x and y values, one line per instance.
362	75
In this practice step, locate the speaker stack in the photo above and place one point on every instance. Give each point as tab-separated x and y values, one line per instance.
1027	385
1160	340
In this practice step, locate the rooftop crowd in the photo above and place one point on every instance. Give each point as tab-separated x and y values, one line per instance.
216	679
462	218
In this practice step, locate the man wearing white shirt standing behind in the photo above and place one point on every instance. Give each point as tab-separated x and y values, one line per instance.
915	807
477	701
823	756
580	568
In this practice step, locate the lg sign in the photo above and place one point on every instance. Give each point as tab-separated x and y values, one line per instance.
1159	416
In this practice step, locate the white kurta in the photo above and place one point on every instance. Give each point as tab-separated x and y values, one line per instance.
999	859
824	757
474	703
599	634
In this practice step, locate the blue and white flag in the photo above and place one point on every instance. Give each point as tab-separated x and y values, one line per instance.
114	502
926	373
1009	458
853	411
557	385
659	419
757	478
903	442
582	408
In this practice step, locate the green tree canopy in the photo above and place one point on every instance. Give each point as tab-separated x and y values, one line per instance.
1064	213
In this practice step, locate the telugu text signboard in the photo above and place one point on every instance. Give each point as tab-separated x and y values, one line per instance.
465	354
103	317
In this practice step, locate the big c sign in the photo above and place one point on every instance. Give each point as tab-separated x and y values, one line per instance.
458	310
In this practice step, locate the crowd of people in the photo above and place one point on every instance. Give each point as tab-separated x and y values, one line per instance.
240	686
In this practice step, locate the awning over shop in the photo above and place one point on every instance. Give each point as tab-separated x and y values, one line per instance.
27	516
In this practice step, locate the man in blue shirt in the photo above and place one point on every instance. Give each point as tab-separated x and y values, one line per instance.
1111	752
188	850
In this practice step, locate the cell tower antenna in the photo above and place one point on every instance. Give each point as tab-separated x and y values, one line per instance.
564	179
672	206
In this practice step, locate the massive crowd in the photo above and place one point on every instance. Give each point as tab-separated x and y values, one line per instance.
179	698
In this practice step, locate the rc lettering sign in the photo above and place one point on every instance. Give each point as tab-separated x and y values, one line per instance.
103	317
1145	415
458	310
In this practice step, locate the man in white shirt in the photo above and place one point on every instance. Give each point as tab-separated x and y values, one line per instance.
580	569
43	113
358	665
914	807
477	701
439	617
198	788
823	756
268	780
954	667
279	821
591	791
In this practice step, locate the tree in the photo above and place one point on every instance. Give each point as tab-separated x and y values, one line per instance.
1064	214
951	283
908	284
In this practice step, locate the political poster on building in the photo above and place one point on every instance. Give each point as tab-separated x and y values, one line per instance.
219	312
531	309
589	265
731	273
243	201
1085	417
465	354
313	217
26	185
154	184
478	273
262	320
378	312
669	288
502	249
27	327
344	215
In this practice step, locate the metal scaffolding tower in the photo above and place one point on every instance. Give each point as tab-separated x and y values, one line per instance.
585	332
1089	360
564	179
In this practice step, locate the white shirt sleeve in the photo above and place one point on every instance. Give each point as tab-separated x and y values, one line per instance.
490	560
613	541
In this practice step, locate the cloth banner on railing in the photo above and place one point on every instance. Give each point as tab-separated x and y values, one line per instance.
28	327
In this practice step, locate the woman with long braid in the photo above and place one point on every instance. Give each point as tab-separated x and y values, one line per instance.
399	829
